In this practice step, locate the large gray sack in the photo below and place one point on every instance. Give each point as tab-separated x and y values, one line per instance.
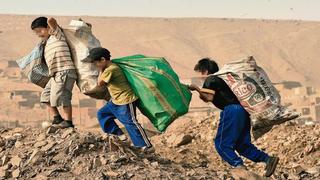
256	93
81	40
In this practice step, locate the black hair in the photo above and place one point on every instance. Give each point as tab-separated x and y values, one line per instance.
40	22
206	64
96	54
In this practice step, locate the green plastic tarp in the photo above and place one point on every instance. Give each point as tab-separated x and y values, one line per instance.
162	97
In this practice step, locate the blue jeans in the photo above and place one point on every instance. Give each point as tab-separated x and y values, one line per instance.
234	135
126	114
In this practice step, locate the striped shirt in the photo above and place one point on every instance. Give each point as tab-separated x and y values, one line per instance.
57	53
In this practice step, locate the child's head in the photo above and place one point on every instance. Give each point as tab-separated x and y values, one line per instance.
40	27
206	66
100	57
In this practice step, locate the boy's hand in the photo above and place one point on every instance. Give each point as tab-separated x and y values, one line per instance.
193	87
101	82
206	97
52	23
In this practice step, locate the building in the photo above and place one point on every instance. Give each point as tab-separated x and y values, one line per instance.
301	99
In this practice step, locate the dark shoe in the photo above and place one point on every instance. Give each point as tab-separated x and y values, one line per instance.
57	120
66	124
148	150
271	166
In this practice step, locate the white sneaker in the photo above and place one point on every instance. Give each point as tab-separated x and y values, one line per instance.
123	137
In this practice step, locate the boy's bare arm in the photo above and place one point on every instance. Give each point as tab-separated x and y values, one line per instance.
206	97
52	23
101	82
193	87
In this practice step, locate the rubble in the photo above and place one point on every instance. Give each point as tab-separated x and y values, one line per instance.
16	173
15	161
185	151
4	160
240	174
52	129
297	146
65	154
179	140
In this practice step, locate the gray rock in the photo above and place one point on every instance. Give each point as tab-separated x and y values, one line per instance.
15	161
52	129
179	140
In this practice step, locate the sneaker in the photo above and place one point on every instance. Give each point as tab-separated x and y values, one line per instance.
271	166
57	120
123	137
148	150
66	124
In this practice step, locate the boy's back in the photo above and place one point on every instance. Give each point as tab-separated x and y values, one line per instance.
118	85
223	94
57	53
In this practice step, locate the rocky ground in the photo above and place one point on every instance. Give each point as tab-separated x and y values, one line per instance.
185	151
297	146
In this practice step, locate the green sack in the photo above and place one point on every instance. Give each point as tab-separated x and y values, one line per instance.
162	97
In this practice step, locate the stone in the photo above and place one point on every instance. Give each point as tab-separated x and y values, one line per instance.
103	160
18	144
52	129
40	144
10	142
67	132
112	174
155	164
41	177
4	173
313	170
15	161
2	142
308	149
116	158
16	173
298	169
18	130
242	174
146	161
48	146
180	140
57	170
18	136
36	153
4	160
41	137
183	151
222	175
96	162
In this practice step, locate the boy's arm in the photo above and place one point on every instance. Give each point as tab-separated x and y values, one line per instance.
104	77
52	23
206	95
55	30
193	87
101	82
